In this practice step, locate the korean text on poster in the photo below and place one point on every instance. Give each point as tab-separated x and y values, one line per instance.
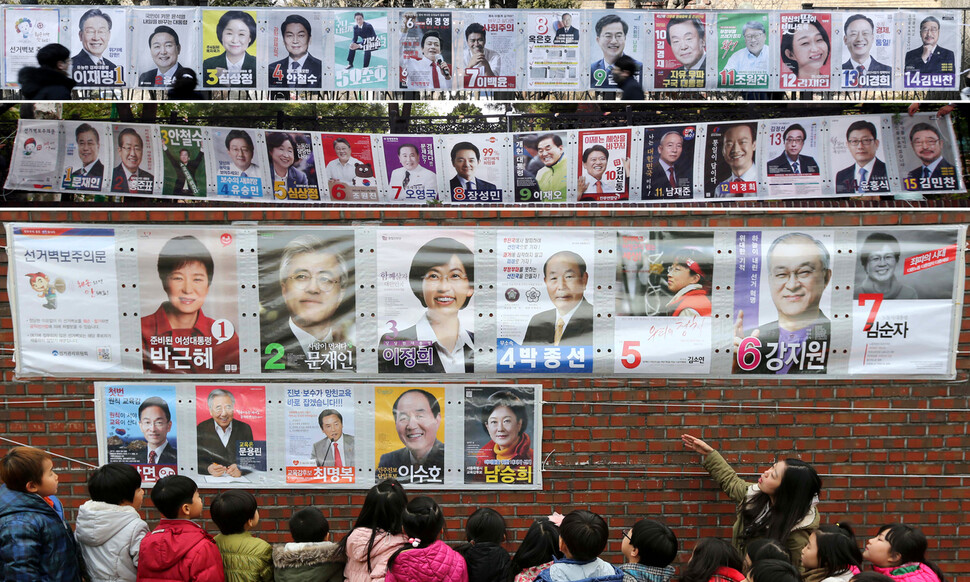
409	434
499	432
141	428
320	432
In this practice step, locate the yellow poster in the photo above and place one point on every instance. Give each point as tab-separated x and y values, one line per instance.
409	433
229	48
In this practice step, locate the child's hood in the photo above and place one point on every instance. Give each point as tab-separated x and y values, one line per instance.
435	562
293	555
167	544
12	502
384	543
566	569
98	522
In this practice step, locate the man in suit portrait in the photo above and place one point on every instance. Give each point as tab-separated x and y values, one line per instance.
165	50
127	175
90	175
417	416
570	322
185	167
611	31
412	176
300	69
365	39
738	151
239	147
218	438
671	171
930	58
566	33
859	38
868	173
465	157
337	449
89	66
686	38
927	144
791	161
155	422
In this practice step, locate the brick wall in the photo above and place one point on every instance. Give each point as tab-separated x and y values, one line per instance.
903	454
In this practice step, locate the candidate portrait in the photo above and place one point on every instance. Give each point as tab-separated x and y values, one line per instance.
155	422
672	169
165	49
465	157
336	449
220	436
299	69
91	172
570	321
930	58
417	416
934	171
868	173
791	161
128	176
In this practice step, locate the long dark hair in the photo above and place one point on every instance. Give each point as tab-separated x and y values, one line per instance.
382	511
423	522
798	488
837	548
910	544
540	545
709	555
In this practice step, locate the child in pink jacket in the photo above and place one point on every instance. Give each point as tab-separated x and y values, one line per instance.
425	558
898	551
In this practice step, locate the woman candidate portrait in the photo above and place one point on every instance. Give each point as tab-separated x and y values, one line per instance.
505	417
442	278
878	258
236	31
805	49
283	157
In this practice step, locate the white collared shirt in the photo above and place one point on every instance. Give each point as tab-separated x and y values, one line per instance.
98	61
745	61
223	434
346	173
158	451
453	361
235	67
856	65
251	172
299	62
868	169
307	339
565	318
932	165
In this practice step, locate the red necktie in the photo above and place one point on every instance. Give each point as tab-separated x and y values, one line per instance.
673	177
336	457
434	76
152	457
599	187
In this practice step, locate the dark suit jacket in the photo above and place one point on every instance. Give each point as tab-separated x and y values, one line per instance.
770	333
914	61
311	66
845	179
402	457
322	450
566	35
874	67
578	332
210	448
479	184
96	170
917	174
119	181
220	62
659	179
362	33
147	79
294	359
192	165
169	456
411	334
702	68
780	165
81	59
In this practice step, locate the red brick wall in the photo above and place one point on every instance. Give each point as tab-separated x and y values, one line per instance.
616	441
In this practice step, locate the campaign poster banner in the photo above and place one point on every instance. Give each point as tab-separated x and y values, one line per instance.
229	48
241	411
499	432
489	51
857	150
668	162
67	313
680	58
867	50
98	39
411	168
605	172
349	163
409	434
425	301
26	30
545	302
541	167
141	428
743	54
614	34
903	308
294	47
931	49
35	156
183	167
320	433
806	50
790	332
553	50
181	274
731	167
663	314
135	154
291	166
171	38
360	44
426	62
926	150
87	148
479	163
238	162
306	300
792	151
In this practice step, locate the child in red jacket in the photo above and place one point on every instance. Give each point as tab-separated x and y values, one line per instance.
179	549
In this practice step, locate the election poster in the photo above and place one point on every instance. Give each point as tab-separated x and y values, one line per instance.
500	424
553	59
479	162
34	157
98	40
488	56
932	50
306	300
87	152
867	50
183	164
605	173
616	34
291	166
141	428
425	301
858	155
294	49
806	50
426	61
792	151
171	37
668	162
541	167
680	55
66	300
409	434
791	332
365	33
238	162
349	163
231	433
663	312
731	165
743	54
229	48
26	30
903	310
411	168
927	154
181	274
134	173
320	432
544	312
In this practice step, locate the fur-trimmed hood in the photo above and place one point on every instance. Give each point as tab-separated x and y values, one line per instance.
294	555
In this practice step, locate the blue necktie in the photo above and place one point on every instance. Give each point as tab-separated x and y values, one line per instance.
862	180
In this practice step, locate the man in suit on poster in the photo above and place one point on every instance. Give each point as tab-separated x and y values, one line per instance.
155	422
570	322
219	437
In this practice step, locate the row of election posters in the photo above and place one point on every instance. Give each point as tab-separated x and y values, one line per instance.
495	50
343	302
807	157
324	435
